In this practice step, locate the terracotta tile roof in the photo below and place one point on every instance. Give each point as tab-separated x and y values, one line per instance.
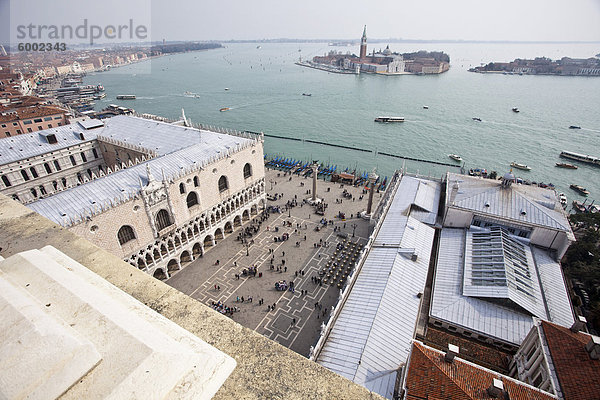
430	377
578	374
470	349
31	112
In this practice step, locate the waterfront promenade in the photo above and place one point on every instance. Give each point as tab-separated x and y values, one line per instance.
296	319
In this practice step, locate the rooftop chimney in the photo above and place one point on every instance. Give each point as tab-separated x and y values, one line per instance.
579	324
593	347
451	353
496	388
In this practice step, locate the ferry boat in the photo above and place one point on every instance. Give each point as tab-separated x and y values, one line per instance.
574	127
580	189
389	119
126	97
224	109
566	165
455	157
581	157
515	109
520	166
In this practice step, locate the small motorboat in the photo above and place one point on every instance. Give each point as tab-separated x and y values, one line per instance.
455	157
477	119
515	109
307	94
520	166
566	165
426	107
574	127
562	198
580	189
224	109
226	88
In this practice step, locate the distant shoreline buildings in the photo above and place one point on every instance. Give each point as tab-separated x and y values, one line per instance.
381	62
544	66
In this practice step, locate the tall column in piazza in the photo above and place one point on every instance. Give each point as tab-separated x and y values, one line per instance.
372	178
315	169
363	45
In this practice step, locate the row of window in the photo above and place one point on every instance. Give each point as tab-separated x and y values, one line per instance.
42	189
223	181
126	232
47	167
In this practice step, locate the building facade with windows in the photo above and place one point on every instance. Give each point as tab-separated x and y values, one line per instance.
158	195
17	121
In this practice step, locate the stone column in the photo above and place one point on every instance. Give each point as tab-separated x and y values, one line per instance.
372	178
315	168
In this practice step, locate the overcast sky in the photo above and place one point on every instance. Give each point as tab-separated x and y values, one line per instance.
526	20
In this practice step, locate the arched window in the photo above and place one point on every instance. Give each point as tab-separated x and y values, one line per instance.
247	170
162	219
125	234
55	185
192	199
43	191
56	165
196	181
34	193
24	174
64	182
181	188
83	158
73	162
48	170
223	184
33	172
6	181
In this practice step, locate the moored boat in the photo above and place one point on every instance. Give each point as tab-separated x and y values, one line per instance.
455	157
579	206
562	198
566	165
520	166
580	189
389	119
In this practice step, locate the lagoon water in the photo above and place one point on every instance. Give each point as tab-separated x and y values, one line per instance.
265	94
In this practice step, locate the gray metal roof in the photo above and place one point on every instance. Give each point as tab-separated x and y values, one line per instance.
372	335
162	137
520	203
449	304
34	144
486	317
554	288
188	149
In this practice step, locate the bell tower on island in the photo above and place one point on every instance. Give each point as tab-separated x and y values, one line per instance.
363	44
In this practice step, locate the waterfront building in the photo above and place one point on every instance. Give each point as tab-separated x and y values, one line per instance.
497	266
477	274
155	194
18	120
559	360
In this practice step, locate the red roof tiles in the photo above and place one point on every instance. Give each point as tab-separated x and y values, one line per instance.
577	373
431	377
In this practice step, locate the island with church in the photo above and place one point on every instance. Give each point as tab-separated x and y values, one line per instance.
380	62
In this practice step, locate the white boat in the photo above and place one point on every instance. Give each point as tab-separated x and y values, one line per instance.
520	166
426	107
562	198
455	157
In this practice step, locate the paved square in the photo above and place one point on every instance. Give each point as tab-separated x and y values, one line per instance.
308	258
